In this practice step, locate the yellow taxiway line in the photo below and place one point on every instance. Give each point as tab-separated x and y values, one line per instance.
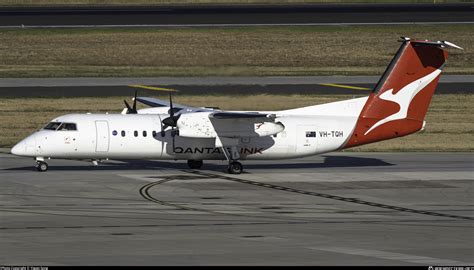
153	88
345	86
324	84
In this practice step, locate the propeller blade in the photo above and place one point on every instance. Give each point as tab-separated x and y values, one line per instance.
163	127
171	121
129	109
168	122
171	110
172	136
135	102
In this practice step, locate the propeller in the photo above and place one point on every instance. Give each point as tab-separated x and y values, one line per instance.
170	121
132	110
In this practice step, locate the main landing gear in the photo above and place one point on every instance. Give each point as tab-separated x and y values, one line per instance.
195	164
41	166
232	156
235	167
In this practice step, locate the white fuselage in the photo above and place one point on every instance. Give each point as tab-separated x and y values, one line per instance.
307	131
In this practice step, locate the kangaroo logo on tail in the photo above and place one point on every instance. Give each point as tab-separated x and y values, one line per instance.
404	97
399	101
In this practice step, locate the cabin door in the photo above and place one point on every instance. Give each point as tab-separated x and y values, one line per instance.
102	136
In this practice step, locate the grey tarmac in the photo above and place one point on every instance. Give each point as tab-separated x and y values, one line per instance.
344	208
205	81
234	15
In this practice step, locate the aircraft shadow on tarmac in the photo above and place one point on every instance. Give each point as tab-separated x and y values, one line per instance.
328	162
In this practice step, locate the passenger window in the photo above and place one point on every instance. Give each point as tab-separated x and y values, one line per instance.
144	133
67	126
135	133
52	126
123	133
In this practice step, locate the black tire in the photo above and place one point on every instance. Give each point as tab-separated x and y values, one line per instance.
41	166
235	168
195	164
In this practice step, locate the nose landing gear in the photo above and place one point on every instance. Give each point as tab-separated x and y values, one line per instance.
41	166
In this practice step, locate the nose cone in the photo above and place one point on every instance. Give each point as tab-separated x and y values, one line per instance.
19	149
26	147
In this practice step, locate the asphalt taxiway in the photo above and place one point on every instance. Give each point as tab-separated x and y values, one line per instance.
304	85
335	209
233	15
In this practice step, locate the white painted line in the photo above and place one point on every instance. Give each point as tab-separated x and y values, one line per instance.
392	256
220	25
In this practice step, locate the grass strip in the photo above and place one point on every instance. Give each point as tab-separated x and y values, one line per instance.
247	51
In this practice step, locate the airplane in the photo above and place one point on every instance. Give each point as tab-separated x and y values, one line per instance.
396	107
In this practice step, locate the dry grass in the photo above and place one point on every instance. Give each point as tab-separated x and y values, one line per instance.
450	120
261	51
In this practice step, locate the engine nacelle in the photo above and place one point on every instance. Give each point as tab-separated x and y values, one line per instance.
196	125
268	128
154	110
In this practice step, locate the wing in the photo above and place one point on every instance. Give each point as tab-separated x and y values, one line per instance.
228	124
244	124
179	108
239	115
154	102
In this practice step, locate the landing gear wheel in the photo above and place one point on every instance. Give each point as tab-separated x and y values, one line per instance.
235	167
195	164
41	166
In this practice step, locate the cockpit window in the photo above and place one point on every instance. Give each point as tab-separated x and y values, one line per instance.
67	126
52	126
60	126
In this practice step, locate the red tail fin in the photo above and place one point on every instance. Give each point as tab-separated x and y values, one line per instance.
399	102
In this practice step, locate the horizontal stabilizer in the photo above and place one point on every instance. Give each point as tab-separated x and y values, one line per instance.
439	43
